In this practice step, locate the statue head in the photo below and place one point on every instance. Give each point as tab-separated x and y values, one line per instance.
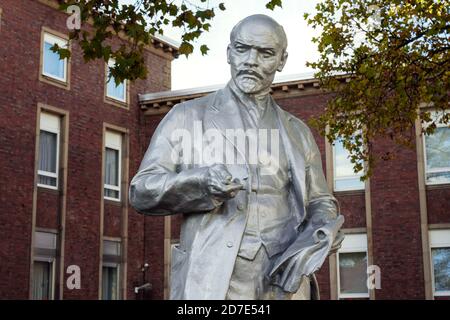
257	50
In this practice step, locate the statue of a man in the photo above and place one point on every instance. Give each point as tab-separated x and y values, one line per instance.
258	218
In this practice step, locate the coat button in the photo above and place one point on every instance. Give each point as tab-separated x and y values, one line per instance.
230	244
240	207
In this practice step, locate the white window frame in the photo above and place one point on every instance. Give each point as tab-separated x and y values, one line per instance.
52	261
354	243
63	43
114	140
438	239
336	178
110	64
50	123
424	142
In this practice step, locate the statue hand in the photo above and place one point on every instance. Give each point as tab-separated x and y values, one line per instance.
221	184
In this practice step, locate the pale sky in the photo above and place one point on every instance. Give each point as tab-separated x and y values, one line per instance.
199	71
212	69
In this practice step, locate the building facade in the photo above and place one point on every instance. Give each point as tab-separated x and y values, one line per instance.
397	223
70	141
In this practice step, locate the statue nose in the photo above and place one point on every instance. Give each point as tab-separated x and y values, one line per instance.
252	59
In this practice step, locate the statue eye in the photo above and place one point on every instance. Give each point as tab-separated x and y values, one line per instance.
267	53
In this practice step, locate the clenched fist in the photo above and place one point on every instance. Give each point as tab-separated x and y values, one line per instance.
220	183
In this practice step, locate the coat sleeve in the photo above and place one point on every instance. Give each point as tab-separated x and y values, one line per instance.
321	205
159	188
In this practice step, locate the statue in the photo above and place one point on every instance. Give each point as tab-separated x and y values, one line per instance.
258	218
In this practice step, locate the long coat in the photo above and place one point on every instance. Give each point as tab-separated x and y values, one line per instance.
211	232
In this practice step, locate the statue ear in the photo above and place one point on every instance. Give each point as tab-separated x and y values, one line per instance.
282	62
228	53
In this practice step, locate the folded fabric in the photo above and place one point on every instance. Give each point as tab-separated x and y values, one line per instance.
306	254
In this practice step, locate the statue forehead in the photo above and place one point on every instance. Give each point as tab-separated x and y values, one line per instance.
258	29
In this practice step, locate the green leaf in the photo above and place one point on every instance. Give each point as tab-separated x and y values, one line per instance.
204	49
274	3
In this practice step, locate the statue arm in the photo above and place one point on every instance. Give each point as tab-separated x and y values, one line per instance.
321	205
159	188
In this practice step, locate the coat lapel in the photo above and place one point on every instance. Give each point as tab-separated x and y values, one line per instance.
223	114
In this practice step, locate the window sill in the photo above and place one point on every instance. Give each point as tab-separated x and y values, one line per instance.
350	192
55	82
47	189
354	296
116	203
117	103
437	186
442	294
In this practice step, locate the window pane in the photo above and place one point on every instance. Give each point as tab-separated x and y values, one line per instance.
112	167
438	177
438	149
441	264
111	248
116	92
349	184
45	240
344	168
53	66
109	283
47	151
41	280
48	181
111	193
353	272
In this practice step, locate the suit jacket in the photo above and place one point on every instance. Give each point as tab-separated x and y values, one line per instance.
211	232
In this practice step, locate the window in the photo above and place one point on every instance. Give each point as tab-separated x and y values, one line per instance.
352	267
110	287
110	270
42	280
113	91
44	265
440	259
113	154
345	179
52	66
437	155
49	151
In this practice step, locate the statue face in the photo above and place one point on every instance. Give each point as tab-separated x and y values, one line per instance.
255	55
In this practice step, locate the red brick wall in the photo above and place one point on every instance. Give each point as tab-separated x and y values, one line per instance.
438	210
396	225
20	93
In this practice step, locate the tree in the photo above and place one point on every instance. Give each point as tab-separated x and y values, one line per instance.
394	56
136	22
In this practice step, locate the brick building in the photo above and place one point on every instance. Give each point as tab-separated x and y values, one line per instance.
399	220
70	142
60	123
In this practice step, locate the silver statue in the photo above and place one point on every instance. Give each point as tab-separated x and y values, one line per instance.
258	218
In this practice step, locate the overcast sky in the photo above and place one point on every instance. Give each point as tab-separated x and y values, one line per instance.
198	70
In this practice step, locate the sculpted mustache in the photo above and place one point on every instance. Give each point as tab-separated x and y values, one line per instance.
250	72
